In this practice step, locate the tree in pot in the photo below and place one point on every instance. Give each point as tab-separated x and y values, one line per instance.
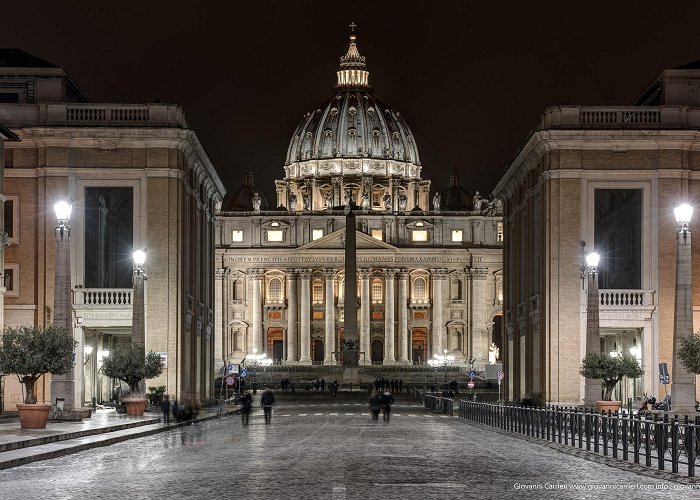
131	364
609	370
30	352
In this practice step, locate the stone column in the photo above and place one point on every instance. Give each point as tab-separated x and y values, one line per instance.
403	316
682	380
364	312
221	301
292	315
438	329
593	386
256	304
389	357
479	333
63	385
305	313
330	317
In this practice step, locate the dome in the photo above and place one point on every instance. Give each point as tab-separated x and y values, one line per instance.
455	197
352	132
241	200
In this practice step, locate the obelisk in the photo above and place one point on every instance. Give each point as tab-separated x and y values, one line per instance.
351	352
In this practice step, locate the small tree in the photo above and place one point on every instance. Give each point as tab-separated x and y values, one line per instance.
31	351
609	370
689	352
130	363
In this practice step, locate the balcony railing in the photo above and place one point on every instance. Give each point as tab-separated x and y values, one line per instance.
628	117
625	299
104	297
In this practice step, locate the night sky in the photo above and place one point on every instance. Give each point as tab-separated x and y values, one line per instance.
470	78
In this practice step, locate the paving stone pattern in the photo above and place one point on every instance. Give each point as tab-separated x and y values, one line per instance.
316	448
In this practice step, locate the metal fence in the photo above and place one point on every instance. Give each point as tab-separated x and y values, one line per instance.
434	402
650	440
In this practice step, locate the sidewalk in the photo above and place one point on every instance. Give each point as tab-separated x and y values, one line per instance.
22	446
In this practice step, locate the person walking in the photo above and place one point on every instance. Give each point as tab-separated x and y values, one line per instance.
266	401
375	405
176	409
323	385
165	407
387	401
247	402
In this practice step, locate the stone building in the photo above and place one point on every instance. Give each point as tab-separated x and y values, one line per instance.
138	177
604	179
429	277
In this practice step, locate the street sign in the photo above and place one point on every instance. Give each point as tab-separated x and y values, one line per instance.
229	380
244	373
471	384
472	374
663	373
500	376
230	368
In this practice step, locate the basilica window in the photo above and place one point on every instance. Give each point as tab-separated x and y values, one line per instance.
377	291
378	234
275	290
419	235
456	289
275	235
237	290
317	292
499	233
11	280
420	292
236	235
456	235
12	217
316	234
341	291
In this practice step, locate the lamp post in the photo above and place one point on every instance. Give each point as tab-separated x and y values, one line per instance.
593	387
138	324
442	360
63	386
258	360
683	381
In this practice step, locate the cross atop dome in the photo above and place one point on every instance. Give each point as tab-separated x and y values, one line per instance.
352	65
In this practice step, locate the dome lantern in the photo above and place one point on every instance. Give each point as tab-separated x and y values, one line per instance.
352	71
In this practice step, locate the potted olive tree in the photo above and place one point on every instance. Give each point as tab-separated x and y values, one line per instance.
689	352
30	352
131	364
609	370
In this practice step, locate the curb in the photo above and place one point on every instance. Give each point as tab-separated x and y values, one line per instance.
47	455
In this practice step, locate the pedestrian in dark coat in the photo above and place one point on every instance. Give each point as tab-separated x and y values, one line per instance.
165	407
176	409
266	401
247	402
375	405
387	401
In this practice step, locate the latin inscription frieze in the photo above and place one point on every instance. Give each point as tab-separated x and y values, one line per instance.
339	258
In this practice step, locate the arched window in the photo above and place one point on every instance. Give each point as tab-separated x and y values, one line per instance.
419	290
456	289
377	294
341	291
317	291
275	290
237	290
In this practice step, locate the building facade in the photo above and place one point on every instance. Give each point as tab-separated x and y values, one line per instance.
604	179
429	268
138	178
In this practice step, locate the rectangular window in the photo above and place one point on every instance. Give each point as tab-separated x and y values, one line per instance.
236	235
419	235
275	235
378	234
456	235
499	235
12	218
618	237
11	280
317	292
316	234
9	97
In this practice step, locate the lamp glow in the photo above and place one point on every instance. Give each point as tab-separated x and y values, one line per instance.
592	259
139	258
63	210
683	213
88	349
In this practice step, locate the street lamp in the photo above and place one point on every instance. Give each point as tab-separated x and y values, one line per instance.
683	381
63	386
442	360
138	325
256	360
593	387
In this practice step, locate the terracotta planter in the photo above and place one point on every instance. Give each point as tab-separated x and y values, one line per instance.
33	416
135	406
613	406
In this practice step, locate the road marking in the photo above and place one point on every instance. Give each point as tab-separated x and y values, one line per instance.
334	414
285	415
412	415
397	415
365	414
301	415
349	413
317	414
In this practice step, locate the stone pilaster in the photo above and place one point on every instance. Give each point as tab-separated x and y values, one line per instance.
292	315
403	316
255	275
364	311
438	327
479	333
389	357
220	298
305	314
329	316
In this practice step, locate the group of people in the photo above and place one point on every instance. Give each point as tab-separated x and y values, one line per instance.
267	400
286	385
381	403
181	411
319	385
388	385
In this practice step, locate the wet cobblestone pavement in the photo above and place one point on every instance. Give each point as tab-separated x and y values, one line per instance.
316	448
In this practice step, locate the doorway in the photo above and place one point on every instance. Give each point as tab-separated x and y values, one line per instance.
377	352
275	344
419	346
318	352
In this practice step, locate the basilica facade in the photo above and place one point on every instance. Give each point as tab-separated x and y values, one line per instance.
429	264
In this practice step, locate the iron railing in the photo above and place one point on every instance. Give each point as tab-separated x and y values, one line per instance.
649	440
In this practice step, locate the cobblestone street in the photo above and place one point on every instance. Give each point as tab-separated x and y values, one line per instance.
318	448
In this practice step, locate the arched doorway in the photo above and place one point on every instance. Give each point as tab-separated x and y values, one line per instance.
317	351
377	352
498	332
419	345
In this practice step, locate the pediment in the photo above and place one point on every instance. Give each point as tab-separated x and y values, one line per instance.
336	240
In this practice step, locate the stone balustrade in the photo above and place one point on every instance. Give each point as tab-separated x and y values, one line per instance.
107	298
616	117
626	299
